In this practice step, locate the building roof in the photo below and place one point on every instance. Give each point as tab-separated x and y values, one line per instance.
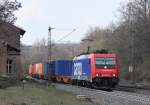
14	27
22	31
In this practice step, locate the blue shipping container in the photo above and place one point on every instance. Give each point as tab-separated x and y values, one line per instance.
53	68
63	67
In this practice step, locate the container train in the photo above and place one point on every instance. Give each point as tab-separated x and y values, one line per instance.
97	69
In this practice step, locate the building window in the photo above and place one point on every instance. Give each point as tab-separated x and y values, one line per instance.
9	66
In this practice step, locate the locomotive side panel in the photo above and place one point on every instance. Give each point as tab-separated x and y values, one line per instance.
81	69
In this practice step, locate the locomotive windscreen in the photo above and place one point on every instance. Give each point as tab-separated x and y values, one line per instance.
103	62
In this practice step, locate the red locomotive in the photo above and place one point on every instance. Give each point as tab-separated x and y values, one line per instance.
98	69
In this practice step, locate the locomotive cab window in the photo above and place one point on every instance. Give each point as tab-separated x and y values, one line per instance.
105	62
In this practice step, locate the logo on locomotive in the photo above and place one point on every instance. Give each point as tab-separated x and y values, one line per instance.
78	69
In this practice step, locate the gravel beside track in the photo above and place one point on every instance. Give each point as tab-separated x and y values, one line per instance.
138	90
100	97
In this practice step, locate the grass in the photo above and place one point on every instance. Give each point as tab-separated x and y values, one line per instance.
34	94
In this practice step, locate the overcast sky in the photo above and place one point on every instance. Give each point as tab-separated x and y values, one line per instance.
35	16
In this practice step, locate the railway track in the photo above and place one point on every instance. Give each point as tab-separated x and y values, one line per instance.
115	96
134	89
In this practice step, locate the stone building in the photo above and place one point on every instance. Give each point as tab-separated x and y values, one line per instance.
10	49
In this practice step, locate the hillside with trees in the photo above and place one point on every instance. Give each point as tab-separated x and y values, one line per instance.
129	39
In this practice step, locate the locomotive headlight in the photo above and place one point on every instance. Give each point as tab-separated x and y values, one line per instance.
96	75
114	75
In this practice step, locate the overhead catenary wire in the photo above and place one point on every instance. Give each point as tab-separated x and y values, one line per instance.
66	35
64	29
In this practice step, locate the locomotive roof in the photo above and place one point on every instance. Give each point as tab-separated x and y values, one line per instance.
87	54
82	57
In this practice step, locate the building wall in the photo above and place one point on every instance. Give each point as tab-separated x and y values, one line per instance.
9	34
3	59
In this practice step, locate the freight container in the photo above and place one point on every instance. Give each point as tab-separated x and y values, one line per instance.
52	71
63	70
30	69
52	67
34	70
45	71
37	71
63	67
40	70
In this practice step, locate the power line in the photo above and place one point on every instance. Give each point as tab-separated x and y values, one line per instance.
66	35
64	29
50	41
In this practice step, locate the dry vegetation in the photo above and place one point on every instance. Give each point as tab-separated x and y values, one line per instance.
37	94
